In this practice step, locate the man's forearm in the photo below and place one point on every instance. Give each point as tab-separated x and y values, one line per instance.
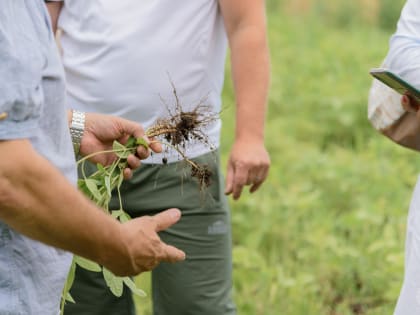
245	22
250	73
37	201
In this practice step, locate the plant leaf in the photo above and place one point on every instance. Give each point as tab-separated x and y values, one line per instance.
81	185
132	286
101	168
142	142
120	150
120	179
124	217
115	214
69	298
87	264
107	181
114	283
91	184
71	274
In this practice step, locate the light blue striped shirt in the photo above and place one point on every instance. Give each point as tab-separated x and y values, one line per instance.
32	93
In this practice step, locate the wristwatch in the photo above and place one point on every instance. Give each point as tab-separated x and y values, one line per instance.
77	128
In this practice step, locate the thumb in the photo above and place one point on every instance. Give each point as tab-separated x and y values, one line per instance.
131	128
166	218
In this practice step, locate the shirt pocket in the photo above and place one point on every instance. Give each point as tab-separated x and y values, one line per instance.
21	94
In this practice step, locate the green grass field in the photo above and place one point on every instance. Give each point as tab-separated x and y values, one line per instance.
325	234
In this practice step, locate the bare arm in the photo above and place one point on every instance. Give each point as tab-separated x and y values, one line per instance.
54	8
37	201
245	23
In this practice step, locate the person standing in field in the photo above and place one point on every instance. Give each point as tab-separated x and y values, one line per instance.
42	215
403	59
120	58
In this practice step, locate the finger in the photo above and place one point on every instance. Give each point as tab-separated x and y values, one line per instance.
414	104
155	145
259	180
172	254
229	180
123	139
166	219
133	162
143	151
409	104
405	102
239	181
127	173
131	128
253	175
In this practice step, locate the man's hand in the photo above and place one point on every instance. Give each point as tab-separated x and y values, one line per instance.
100	133
248	165
144	248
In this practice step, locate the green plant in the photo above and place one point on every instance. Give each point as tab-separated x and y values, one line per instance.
174	132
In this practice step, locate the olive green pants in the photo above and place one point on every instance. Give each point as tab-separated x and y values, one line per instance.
200	285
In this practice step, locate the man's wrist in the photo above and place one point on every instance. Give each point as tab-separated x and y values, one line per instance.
77	128
250	135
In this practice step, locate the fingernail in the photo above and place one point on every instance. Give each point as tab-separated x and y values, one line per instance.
175	213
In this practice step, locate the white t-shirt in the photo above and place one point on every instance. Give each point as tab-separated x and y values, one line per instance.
403	58
121	56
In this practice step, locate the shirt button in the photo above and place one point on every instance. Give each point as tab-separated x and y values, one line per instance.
3	115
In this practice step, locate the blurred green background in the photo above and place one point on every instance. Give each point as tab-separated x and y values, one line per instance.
325	234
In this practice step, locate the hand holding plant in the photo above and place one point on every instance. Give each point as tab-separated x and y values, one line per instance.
100	133
117	145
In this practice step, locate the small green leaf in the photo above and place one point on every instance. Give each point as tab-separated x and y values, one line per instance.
124	217
87	264
93	188
120	179
71	274
120	150
107	181
117	146
114	283
142	142
132	286
69	298
115	214
101	168
82	187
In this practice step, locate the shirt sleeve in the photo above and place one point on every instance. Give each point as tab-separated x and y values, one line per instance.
404	48
21	64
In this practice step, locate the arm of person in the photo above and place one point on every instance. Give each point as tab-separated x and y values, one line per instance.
54	8
37	201
245	22
35	198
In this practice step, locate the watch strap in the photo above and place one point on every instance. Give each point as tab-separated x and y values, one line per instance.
77	128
